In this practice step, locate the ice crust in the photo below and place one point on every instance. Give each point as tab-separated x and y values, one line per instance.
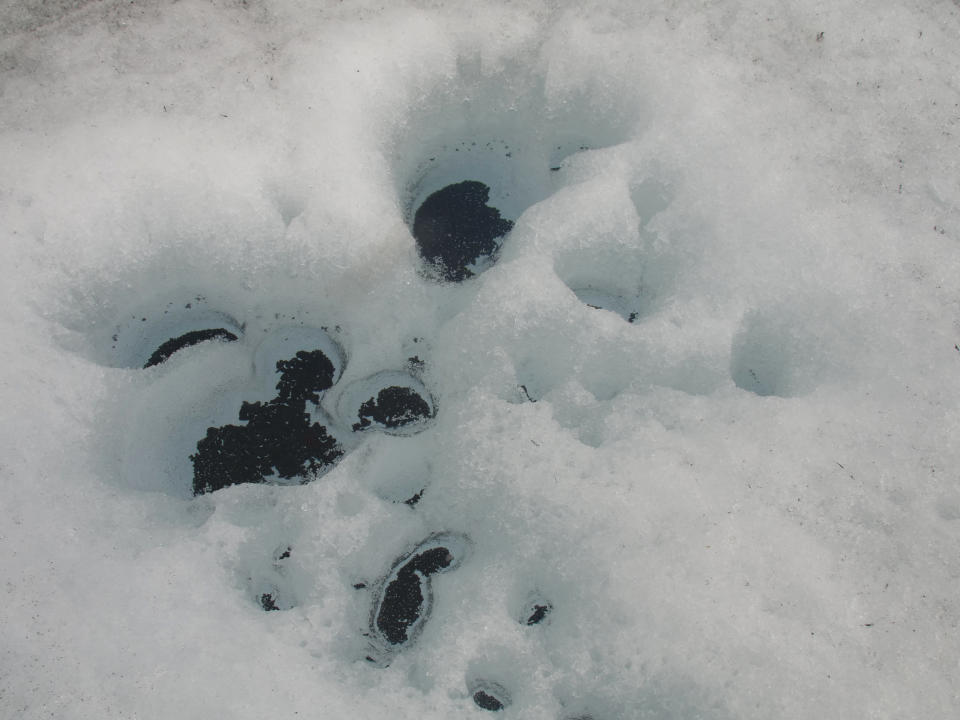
702	404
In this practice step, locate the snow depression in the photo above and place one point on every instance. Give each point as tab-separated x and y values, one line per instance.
445	359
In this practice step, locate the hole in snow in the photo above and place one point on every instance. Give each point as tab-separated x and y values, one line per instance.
473	155
393	402
533	610
776	353
405	597
627	308
395	468
149	336
267	578
606	274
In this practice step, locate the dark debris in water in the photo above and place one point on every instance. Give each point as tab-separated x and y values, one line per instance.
394	407
489	695
278	437
486	701
267	602
403	597
539	613
304	376
454	228
412	501
194	337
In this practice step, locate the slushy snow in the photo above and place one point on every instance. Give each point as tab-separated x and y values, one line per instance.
670	432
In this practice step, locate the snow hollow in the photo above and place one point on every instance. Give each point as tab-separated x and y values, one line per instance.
452	359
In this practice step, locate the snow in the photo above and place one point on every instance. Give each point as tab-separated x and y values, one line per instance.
702	402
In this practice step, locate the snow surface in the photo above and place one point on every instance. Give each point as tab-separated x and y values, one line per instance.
744	503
